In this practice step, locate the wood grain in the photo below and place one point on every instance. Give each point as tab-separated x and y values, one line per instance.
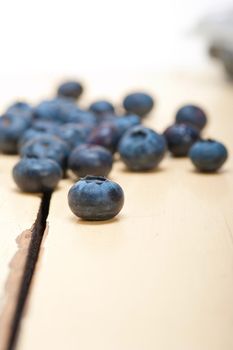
159	276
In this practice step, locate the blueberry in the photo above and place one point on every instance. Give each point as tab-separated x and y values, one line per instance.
95	198
90	160
19	106
139	103
101	107
47	146
58	110
81	117
38	129
142	148
70	89
106	135
208	155
73	134
45	126
191	115
36	175
180	137
126	122
11	130
21	109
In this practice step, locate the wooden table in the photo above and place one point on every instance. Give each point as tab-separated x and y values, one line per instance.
160	275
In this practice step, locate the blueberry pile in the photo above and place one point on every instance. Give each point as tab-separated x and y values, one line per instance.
57	138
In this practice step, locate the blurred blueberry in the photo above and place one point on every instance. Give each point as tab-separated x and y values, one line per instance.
106	135
126	122
21	108
11	130
45	125
74	134
90	160
71	89
191	115
81	117
101	107
36	175
208	155
38	128
139	103
95	198
180	137
142	148
58	110
47	146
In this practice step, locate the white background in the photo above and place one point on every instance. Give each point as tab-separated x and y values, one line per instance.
69	37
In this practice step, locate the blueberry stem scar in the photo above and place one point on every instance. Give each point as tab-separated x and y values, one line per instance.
29	269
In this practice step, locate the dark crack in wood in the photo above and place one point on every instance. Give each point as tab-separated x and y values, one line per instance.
37	234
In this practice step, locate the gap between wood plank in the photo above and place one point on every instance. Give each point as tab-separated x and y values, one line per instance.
19	281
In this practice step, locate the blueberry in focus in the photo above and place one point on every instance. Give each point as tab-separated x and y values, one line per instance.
208	155
95	198
142	148
90	160
36	175
47	146
11	129
191	115
139	103
70	89
180	137
101	107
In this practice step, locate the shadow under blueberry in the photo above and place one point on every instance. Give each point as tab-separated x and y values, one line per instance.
143	172
35	194
27	194
83	222
209	173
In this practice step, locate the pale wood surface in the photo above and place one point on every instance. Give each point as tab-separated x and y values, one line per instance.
159	276
18	212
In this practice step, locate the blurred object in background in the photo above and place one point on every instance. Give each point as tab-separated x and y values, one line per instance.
218	30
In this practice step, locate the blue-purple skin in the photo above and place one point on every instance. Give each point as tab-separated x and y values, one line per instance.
138	103
108	117
21	109
191	115
19	106
101	107
208	155
11	129
45	125
126	122
142	148
80	116
39	128
73	134
95	198
46	147
59	110
70	89
37	175
105	135
180	138
90	160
